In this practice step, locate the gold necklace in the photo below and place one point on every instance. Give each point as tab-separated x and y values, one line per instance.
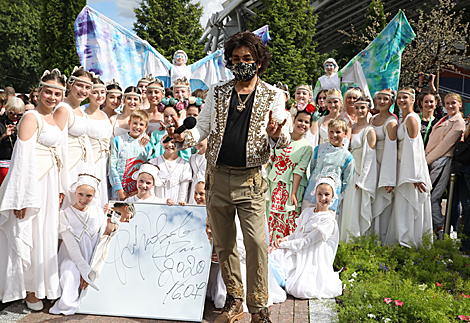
241	104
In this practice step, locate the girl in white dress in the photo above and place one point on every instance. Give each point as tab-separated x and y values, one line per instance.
76	150
334	102
175	175
83	226
30	203
99	133
385	125
411	217
155	93
113	98
146	177
355	216
306	256
142	85
132	101
198	165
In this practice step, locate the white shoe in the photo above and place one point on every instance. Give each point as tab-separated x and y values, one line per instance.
38	306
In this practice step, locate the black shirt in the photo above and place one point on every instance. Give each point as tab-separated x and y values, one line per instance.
6	146
233	150
424	126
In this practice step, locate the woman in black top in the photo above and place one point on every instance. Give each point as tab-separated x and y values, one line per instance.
431	113
14	110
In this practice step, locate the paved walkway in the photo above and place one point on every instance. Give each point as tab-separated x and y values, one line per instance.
292	310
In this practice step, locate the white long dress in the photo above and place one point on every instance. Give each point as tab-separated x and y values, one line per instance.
76	152
308	254
198	165
412	216
275	293
116	130
80	232
386	154
355	216
28	247
175	176
100	134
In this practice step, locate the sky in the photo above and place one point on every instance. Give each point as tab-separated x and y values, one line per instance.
121	11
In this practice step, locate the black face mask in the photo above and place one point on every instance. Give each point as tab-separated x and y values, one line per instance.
244	71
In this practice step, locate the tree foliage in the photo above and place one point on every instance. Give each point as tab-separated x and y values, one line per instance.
57	34
170	26
439	43
376	21
294	60
19	48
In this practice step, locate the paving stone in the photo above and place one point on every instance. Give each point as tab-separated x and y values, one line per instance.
322	311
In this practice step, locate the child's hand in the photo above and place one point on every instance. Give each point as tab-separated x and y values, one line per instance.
144	140
122	195
83	283
182	203
162	126
293	199
389	189
276	244
106	208
110	227
170	202
20	213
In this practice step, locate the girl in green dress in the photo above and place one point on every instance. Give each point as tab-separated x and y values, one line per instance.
287	178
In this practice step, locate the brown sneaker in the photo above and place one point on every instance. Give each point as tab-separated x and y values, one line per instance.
261	317
232	311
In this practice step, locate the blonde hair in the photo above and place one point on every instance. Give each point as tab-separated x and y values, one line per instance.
335	94
453	95
338	123
305	87
141	115
357	93
16	105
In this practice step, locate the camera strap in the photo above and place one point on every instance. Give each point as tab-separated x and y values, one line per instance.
428	127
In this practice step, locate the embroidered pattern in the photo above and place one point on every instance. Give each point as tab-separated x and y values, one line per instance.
255	181
260	295
232	288
188	140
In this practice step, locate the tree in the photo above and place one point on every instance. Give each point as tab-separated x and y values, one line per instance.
169	26
58	36
294	60
376	21
19	48
440	42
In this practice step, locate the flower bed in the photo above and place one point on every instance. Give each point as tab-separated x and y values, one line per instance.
398	284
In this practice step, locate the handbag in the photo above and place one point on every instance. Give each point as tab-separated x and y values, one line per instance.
462	152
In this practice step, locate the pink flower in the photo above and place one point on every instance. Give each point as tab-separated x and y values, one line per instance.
439	284
398	303
468	296
387	300
179	106
462	317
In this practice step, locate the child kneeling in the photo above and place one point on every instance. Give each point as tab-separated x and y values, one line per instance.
306	256
83	228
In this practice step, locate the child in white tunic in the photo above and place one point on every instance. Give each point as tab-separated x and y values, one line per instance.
355	215
83	226
147	178
198	165
175	175
307	255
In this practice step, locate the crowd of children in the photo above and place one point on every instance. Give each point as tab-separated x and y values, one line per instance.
344	174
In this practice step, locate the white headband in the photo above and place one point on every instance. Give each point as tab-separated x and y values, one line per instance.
406	92
305	88
362	102
334	97
385	93
181	85
150	169
72	80
114	91
86	179
133	93
98	86
156	87
55	86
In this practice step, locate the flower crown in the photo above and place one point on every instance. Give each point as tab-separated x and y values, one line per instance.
178	105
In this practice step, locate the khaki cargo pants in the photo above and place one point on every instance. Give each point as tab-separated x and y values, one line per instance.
230	189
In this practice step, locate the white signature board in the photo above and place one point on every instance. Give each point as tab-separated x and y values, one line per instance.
157	266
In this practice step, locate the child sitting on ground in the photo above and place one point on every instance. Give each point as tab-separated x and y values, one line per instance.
175	175
127	146
331	159
146	177
306	256
83	226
